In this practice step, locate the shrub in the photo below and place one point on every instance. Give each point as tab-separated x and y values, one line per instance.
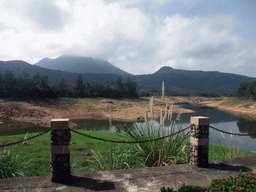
240	182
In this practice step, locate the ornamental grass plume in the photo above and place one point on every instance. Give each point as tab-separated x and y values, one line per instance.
161	117
163	90
146	118
24	140
170	112
152	107
165	112
179	115
110	109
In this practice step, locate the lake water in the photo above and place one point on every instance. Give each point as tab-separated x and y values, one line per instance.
218	119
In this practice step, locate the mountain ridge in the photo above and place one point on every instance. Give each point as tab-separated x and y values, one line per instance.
79	64
190	81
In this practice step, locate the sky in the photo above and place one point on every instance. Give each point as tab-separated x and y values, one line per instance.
138	36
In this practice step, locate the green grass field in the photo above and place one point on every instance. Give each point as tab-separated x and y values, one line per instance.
39	151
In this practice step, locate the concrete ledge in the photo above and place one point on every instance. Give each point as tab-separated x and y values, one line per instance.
131	180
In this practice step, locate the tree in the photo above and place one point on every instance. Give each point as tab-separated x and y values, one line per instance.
25	85
80	86
1	85
100	89
242	89
45	88
250	92
120	86
9	83
61	87
131	87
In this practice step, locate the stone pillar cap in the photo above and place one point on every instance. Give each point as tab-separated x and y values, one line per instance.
60	119
199	120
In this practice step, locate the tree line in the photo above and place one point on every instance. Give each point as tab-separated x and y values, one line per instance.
247	90
37	86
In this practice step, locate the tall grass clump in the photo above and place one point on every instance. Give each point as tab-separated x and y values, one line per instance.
171	150
13	166
122	156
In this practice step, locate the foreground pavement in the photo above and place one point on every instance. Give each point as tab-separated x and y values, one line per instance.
133	180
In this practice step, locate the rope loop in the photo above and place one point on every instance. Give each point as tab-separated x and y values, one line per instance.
9	144
144	141
238	134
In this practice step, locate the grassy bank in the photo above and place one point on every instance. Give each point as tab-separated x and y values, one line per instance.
37	151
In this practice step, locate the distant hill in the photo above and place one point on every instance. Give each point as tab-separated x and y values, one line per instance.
75	64
165	70
54	76
193	81
176	81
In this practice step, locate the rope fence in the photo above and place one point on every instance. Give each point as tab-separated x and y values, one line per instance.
238	134
144	141
23	140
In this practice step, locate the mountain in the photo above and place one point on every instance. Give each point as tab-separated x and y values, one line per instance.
54	76
165	70
193	81
176	81
77	64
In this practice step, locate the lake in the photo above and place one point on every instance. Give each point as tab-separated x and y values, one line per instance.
218	119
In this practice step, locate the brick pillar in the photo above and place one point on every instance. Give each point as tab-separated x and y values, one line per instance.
199	141
60	155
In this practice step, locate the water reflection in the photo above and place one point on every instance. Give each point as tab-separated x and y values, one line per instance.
99	125
10	127
247	126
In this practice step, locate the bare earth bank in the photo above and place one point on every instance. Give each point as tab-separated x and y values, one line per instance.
129	110
41	112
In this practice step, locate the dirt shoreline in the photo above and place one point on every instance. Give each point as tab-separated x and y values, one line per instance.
244	108
40	112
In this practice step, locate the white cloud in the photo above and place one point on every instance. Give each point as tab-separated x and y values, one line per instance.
133	3
41	15
124	34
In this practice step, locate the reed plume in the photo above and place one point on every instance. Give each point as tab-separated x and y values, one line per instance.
179	115
170	113
165	112
110	116
152	107
146	118
163	90
161	117
24	140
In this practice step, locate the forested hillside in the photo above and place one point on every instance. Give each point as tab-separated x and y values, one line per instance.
177	81
247	90
37	86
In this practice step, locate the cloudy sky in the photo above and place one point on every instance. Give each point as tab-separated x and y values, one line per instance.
138	36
